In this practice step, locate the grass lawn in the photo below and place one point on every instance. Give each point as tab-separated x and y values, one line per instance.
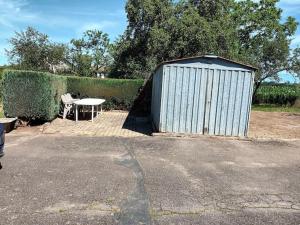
274	108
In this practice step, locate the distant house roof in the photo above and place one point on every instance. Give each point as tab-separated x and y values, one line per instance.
206	56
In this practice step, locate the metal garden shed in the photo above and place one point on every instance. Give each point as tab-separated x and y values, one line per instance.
202	95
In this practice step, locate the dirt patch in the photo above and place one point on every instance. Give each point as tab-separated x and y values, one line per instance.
275	125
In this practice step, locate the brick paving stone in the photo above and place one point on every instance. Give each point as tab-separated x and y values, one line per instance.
112	123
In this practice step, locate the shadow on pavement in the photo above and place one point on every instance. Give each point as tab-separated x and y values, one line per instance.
138	124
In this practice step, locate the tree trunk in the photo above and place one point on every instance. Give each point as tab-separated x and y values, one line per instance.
256	87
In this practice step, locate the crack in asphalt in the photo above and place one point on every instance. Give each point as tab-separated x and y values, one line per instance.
166	212
231	204
136	209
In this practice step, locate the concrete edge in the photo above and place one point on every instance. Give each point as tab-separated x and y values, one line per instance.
184	135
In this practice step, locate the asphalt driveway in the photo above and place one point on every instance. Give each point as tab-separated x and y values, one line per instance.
149	180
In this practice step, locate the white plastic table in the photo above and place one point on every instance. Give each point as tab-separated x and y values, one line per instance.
89	102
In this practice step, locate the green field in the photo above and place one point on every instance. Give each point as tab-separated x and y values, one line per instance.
274	108
277	94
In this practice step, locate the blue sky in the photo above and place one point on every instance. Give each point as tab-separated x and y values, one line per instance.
63	20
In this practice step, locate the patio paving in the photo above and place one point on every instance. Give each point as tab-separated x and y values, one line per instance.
120	124
108	124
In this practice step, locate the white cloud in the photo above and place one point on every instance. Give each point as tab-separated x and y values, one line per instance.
13	14
12	11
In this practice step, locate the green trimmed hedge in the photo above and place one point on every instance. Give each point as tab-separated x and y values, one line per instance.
1	88
37	95
32	95
118	93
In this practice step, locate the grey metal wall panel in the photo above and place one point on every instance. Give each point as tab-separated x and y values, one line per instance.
220	102
183	100
251	75
190	100
156	97
177	100
194	122
200	100
171	72
214	102
225	102
164	99
231	103
244	105
208	99
201	105
238	103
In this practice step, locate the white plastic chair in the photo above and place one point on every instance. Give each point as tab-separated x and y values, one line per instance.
68	102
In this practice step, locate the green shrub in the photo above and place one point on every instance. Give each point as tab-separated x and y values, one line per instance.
32	95
119	93
1	88
281	94
37	95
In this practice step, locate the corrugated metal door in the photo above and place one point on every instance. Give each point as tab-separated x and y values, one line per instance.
206	100
228	102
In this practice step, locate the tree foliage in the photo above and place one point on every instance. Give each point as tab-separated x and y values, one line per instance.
91	53
248	31
265	40
162	30
135	50
252	32
32	50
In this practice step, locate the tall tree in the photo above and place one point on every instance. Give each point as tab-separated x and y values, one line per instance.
91	53
32	50
264	40
213	9
248	31
133	52
162	30
294	63
194	32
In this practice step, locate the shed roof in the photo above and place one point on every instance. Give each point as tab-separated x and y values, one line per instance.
206	56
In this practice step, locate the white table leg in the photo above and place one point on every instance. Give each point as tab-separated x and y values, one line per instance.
92	113
101	109
76	113
97	111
